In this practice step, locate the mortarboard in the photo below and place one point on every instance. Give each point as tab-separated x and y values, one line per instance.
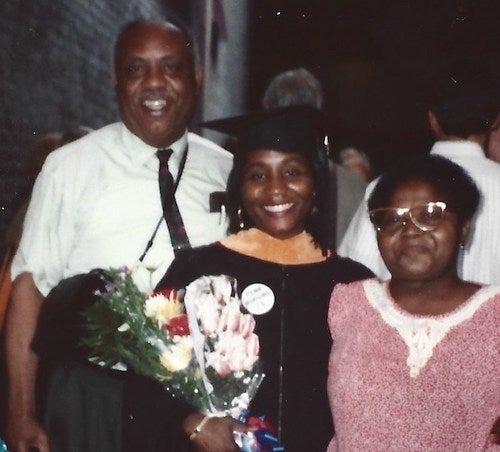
290	129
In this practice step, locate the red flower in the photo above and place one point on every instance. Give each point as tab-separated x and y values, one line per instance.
167	293
178	325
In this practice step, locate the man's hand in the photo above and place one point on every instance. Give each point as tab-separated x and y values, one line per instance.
24	434
23	431
216	434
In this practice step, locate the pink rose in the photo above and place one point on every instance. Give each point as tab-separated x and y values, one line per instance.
247	324
233	317
222	288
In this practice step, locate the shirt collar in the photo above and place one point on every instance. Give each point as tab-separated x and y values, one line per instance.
141	153
458	149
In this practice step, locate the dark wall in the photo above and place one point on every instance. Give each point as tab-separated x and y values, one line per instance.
374	58
55	75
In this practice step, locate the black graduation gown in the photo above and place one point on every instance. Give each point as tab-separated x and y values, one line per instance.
294	337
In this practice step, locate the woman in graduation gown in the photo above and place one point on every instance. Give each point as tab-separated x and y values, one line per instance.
278	252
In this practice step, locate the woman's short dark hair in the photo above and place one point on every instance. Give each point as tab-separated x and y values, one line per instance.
317	224
455	186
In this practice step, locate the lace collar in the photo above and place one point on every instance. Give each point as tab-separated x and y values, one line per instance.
422	333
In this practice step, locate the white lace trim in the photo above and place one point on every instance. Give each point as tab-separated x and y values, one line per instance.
421	334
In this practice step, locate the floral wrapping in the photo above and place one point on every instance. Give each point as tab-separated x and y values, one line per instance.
208	355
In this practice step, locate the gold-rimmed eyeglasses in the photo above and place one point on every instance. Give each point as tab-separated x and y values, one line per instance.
425	217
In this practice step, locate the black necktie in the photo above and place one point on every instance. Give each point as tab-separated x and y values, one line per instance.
171	213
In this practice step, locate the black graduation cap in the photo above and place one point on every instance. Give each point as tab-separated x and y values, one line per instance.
291	129
298	129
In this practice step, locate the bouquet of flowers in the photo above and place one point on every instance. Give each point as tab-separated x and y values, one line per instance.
198	342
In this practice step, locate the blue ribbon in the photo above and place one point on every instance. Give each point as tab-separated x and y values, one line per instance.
262	440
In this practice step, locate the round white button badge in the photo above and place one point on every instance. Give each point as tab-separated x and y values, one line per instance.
257	298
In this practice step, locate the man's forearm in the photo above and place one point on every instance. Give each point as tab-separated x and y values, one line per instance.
22	362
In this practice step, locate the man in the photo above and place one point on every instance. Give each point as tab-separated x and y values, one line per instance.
97	204
300	87
293	87
493	147
460	118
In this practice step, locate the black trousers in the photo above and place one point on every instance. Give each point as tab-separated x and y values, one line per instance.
83	409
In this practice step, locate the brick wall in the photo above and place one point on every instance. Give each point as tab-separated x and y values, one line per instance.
55	75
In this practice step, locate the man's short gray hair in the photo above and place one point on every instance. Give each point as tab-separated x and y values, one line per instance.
293	87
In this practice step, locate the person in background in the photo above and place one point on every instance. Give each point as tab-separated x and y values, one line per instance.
460	116
357	162
97	204
32	166
493	147
278	198
300	87
293	87
415	361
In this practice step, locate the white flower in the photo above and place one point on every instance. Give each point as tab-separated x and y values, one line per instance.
208	313
143	277
124	327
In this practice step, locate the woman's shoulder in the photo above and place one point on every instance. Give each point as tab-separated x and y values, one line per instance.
346	300
189	264
199	252
348	270
345	291
485	302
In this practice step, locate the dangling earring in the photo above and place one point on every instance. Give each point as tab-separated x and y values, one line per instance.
240	218
314	209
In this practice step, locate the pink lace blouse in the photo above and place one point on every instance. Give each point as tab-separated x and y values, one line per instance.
402	382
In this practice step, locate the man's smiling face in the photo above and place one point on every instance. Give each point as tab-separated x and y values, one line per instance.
156	82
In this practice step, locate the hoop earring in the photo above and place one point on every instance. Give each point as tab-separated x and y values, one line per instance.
240	218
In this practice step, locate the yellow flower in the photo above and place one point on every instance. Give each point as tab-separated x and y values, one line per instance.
162	309
178	356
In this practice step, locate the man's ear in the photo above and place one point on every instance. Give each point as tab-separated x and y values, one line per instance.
198	75
433	121
434	124
113	77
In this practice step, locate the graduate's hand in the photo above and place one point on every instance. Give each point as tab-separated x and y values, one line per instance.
495	432
216	435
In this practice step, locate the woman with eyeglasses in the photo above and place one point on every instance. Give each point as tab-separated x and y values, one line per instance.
415	361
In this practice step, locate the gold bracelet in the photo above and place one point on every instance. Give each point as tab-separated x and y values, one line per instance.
199	427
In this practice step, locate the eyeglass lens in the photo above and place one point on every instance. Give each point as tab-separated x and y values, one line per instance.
426	217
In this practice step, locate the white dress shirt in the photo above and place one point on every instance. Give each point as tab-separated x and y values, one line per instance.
479	261
97	201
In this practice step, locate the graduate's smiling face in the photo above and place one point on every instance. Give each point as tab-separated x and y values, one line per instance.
156	82
277	191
